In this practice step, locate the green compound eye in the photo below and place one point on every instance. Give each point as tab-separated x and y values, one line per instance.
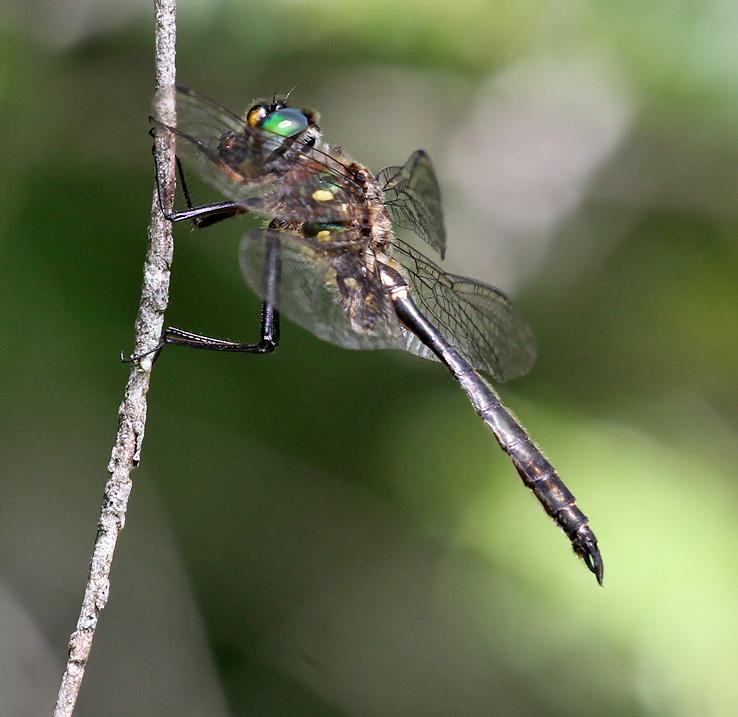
286	122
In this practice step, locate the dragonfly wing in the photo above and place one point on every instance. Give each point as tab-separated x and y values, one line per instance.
266	173
479	320
412	195
331	293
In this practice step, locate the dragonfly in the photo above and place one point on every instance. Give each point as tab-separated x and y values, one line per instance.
339	253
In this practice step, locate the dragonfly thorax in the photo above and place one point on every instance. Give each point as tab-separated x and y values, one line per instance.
379	221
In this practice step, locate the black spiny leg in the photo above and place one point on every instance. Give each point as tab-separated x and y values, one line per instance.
172	336
269	329
201	216
269	318
268	342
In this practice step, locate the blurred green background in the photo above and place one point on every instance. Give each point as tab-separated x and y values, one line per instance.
325	532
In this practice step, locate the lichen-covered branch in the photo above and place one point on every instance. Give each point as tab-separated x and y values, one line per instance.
132	412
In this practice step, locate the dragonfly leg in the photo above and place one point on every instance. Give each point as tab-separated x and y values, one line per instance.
201	216
268	341
205	215
269	328
173	336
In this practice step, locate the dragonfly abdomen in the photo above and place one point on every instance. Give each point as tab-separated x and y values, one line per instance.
532	466
535	470
557	500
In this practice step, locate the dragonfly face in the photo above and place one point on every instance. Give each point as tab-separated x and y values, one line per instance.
330	258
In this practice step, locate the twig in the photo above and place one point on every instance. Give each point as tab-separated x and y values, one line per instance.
132	413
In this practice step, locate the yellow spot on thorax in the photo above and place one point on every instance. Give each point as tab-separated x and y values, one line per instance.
322	195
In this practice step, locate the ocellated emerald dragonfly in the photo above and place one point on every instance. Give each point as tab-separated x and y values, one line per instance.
330	258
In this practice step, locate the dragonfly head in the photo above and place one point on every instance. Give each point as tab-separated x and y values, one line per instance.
279	118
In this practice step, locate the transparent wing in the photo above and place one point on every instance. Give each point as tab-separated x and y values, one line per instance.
412	195
479	320
332	294
264	172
